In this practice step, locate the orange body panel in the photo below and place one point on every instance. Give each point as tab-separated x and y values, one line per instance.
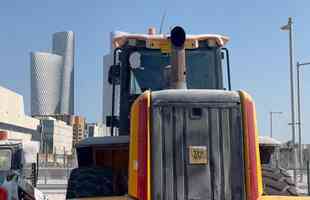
139	162
253	174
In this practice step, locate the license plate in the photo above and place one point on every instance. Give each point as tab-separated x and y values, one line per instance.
198	155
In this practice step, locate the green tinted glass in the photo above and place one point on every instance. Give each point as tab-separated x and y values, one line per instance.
202	66
5	159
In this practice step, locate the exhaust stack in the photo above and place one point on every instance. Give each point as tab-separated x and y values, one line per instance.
177	74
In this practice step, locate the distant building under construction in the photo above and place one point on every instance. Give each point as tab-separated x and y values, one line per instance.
78	129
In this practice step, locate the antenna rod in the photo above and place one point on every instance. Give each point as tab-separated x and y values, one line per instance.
162	22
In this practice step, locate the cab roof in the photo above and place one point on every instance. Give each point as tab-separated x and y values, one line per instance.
120	38
102	141
10	144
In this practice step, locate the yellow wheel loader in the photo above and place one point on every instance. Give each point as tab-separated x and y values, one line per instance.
182	135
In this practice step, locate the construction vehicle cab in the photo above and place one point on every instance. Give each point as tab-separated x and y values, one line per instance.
102	168
144	63
10	157
269	150
15	181
189	137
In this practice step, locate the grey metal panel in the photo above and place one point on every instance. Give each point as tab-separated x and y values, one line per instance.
157	155
197	133
175	129
194	96
101	141
180	154
225	138
236	141
168	150
215	151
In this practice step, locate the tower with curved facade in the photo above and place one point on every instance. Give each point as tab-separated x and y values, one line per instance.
46	74
63	45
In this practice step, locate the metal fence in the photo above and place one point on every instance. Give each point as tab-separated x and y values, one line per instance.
53	169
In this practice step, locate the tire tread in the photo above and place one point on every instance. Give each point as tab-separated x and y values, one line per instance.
277	181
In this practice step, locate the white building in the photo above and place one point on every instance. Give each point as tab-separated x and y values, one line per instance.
57	135
46	75
96	130
52	77
13	118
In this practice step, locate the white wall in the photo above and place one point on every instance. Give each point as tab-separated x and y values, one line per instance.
62	137
12	112
100	130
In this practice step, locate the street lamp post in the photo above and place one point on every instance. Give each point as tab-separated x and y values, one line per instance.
271	113
288	27
299	65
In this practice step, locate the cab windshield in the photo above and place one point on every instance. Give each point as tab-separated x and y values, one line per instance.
203	69
5	159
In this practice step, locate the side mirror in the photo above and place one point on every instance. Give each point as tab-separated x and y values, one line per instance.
114	74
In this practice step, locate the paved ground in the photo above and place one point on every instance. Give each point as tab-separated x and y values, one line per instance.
54	191
55	194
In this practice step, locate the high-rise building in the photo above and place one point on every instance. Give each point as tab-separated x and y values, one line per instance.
96	130
46	74
68	119
63	44
78	129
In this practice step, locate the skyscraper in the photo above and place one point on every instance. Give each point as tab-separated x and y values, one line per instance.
46	73
63	44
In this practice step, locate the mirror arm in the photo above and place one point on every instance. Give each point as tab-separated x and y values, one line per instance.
115	53
228	67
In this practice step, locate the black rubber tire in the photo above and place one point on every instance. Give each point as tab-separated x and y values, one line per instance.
90	182
277	181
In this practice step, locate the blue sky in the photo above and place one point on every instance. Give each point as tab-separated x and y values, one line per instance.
259	50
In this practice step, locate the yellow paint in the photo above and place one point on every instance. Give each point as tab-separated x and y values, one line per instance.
133	151
148	96
243	96
165	45
284	198
104	198
246	97
258	165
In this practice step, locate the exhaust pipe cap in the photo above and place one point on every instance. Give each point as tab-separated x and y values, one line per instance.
177	36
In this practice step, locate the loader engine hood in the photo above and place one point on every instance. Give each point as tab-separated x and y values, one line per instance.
190	146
